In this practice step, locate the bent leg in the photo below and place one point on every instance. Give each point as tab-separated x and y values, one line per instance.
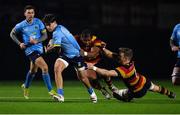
59	66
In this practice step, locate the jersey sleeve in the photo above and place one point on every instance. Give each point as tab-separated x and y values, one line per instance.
57	37
173	36
41	26
18	28
97	42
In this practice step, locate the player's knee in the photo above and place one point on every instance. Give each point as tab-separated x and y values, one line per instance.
58	69
83	78
176	80
45	69
32	71
176	76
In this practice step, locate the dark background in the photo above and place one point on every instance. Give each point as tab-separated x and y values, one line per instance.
144	26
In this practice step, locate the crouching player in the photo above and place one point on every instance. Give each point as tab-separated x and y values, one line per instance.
91	50
137	84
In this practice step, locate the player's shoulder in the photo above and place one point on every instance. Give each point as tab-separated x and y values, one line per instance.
177	25
64	30
94	38
96	41
21	23
37	20
77	37
57	30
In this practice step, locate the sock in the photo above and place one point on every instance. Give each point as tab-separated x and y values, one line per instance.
29	78
164	91
60	91
47	81
90	90
95	84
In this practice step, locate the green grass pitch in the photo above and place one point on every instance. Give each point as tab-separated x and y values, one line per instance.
77	100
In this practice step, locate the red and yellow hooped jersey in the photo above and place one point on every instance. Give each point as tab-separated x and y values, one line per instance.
95	42
133	80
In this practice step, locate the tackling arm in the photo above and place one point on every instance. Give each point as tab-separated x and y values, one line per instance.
104	72
109	53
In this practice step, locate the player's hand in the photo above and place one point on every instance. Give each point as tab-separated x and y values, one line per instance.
49	47
103	45
174	48
90	65
33	41
22	46
82	53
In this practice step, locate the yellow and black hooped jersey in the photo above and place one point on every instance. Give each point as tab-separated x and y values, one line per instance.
94	42
133	80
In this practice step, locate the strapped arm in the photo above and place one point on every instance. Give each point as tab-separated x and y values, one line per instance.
14	37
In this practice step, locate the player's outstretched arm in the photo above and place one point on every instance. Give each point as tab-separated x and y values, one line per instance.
103	72
109	53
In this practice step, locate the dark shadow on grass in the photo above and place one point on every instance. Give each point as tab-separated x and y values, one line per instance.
152	101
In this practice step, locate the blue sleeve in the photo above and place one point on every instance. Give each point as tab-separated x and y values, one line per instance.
18	28
41	25
173	36
57	37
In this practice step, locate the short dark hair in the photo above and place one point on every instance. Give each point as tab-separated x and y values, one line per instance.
128	52
49	18
27	7
86	33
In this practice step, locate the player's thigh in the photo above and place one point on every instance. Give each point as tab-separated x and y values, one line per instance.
40	62
60	65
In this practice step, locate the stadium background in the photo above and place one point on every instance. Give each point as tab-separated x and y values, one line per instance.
145	26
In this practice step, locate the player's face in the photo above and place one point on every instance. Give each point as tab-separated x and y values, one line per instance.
86	41
121	58
29	14
50	27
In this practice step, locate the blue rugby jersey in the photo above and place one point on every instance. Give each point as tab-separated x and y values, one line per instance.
63	38
33	30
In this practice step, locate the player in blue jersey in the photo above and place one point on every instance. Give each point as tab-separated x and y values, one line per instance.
33	32
175	47
64	43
